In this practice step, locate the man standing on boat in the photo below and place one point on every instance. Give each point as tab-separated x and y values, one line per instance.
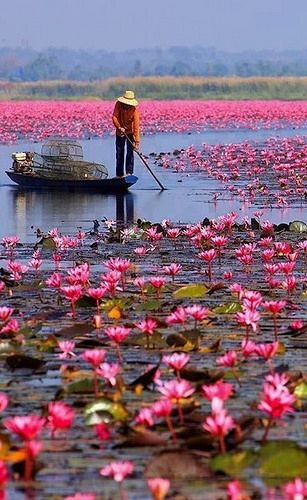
127	122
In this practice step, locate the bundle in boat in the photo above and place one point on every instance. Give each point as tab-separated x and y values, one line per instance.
59	159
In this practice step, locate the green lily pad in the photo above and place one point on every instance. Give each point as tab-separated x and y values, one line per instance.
81	386
233	464
282	459
298	226
301	390
102	409
149	305
191	291
47	242
230	308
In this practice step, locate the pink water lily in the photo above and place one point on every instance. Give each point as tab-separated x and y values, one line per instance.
60	416
159	487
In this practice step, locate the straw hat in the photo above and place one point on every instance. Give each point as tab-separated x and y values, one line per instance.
128	98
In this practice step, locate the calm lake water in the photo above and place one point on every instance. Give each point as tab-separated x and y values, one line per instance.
188	198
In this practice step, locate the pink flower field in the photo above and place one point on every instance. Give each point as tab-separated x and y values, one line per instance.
155	361
38	120
160	360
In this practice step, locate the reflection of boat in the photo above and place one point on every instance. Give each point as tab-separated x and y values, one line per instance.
61	166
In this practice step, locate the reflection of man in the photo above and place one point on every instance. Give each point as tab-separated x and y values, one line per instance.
123	219
127	122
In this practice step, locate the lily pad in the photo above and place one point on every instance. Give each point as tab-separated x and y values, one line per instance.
101	410
282	459
191	291
300	390
149	305
298	226
230	308
233	464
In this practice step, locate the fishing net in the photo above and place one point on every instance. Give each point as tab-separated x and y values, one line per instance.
59	159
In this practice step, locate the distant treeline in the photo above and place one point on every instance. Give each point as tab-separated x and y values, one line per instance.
168	87
27	64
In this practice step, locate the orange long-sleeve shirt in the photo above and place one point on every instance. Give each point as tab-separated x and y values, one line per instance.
128	118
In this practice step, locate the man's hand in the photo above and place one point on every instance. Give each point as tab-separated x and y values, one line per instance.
122	130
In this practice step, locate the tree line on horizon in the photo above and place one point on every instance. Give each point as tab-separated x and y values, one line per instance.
28	65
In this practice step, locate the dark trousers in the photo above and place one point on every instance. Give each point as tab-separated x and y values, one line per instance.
120	155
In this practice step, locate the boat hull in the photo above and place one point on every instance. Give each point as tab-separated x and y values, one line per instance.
111	185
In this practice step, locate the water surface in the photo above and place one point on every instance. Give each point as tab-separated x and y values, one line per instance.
188	198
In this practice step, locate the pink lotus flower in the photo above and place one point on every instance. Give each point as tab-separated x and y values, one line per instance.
5	313
274	306
27	427
17	269
79	275
4	476
117	334
249	317
267	351
148	326
234	491
157	282
118	470
173	269
94	356
102	431
67	347
162	408
295	490
237	289
251	300
228	359
111	282
118	264
144	417
177	361
173	233
60	416
176	389
55	280
12	326
219	424
4	401
97	294
197	312
248	348
221	390
296	324
109	371
153	234
289	284
10	241
141	251
158	487
276	401
179	316
72	293
208	256
139	283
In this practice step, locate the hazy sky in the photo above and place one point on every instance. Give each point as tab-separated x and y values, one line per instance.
232	25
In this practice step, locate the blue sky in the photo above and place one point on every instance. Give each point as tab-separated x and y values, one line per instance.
233	25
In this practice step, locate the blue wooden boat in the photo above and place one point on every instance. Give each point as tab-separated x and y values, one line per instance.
61	166
109	185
